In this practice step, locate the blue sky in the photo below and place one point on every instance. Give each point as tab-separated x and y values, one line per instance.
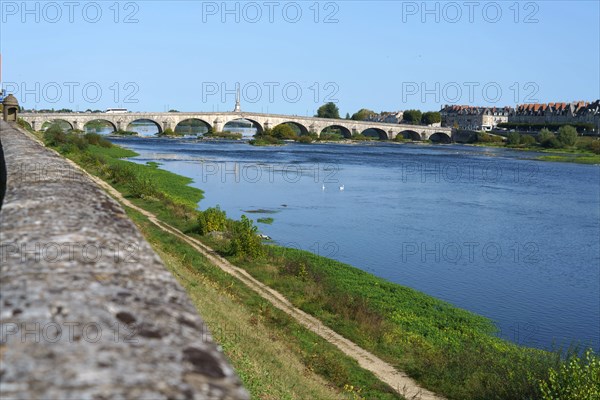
381	55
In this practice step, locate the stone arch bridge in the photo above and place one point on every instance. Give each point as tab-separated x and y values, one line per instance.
217	121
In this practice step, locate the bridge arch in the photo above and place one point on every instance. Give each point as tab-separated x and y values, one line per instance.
257	125
64	124
379	133
98	121
410	134
440	137
300	129
192	126
145	121
345	132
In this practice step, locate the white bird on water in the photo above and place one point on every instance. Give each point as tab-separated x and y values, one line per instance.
341	188
323	188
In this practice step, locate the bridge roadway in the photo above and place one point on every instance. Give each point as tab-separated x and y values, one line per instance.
217	120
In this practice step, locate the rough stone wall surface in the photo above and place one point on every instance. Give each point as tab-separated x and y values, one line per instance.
88	310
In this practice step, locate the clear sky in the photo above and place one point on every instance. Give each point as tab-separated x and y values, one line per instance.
290	57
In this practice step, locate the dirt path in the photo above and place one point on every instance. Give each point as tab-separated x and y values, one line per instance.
398	380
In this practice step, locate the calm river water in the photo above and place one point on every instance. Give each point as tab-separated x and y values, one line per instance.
485	229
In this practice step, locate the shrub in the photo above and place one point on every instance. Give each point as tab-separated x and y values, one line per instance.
483	137
212	219
245	241
141	186
514	138
263	140
552	143
544	135
284	131
567	135
55	136
304	139
92	138
575	379
594	146
331	136
527	140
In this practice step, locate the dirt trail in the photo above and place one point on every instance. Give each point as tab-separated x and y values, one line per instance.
398	380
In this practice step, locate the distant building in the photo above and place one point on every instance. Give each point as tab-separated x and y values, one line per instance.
558	113
388	117
473	117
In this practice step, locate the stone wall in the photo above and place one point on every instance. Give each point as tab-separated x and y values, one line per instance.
88	310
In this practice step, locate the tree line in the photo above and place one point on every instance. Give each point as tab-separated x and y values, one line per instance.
413	117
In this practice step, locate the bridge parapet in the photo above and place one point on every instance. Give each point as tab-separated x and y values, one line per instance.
88	309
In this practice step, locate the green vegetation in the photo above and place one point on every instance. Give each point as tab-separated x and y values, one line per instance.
265	138
223	135
448	350
412	117
361	137
124	133
283	132
569	146
211	220
524	126
328	110
330	137
362	114
574	380
431	117
169	133
267	221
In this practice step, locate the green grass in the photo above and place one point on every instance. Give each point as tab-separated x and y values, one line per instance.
573	158
267	221
275	357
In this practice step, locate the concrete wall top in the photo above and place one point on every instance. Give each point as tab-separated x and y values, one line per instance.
88	310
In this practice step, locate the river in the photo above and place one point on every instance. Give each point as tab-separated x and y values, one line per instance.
486	229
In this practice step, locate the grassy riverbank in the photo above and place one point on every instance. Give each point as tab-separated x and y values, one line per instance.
448	350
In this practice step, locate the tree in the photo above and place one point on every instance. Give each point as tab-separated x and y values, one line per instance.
412	117
431	117
544	135
284	131
347	115
362	114
547	139
245	241
328	110
567	135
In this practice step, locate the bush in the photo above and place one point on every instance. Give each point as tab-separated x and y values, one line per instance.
55	136
304	139
594	146
141	187
284	131
567	135
527	140
330	136
576	379
544	135
245	241
264	140
97	140
552	143
514	138
483	137
212	219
